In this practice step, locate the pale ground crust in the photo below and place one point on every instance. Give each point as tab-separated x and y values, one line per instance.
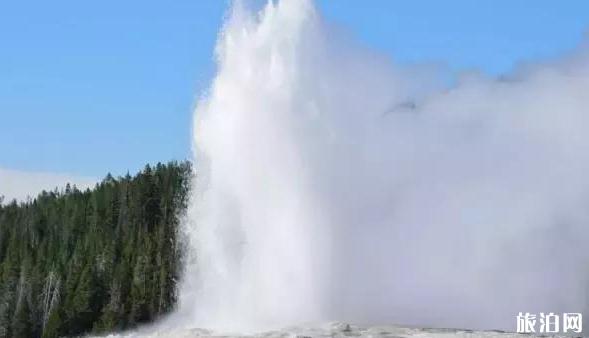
343	330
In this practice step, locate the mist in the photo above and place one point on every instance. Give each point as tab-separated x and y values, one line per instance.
334	184
21	185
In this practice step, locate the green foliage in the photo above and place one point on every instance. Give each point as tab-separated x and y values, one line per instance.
97	260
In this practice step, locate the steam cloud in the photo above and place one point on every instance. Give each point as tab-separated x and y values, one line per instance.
334	185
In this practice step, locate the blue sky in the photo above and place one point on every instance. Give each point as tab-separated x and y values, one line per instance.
88	87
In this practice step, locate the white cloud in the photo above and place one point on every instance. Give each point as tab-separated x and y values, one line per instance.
16	184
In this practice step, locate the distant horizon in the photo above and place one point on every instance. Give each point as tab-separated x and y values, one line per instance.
24	185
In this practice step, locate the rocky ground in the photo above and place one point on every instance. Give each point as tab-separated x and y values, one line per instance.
341	330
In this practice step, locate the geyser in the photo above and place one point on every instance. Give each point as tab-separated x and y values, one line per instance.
333	185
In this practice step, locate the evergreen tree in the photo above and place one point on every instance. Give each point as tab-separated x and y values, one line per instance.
102	259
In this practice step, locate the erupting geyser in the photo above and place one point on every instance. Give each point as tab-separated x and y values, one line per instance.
334	185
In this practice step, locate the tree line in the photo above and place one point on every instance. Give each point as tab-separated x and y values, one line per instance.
98	260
